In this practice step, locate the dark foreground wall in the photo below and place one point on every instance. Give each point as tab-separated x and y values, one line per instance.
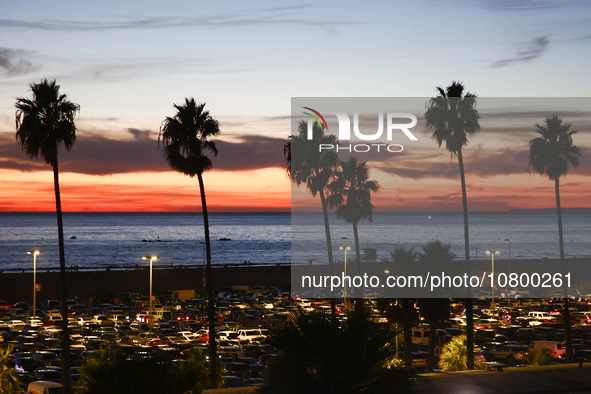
85	285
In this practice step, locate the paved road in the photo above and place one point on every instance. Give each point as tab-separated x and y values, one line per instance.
564	379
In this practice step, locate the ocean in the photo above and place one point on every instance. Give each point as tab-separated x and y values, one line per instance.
117	239
99	240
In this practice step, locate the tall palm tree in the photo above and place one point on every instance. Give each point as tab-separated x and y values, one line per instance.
43	123
315	169
552	154
185	139
434	310
454	118
350	194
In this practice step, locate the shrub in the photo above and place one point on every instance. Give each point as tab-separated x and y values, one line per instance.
454	356
9	380
541	357
317	356
113	373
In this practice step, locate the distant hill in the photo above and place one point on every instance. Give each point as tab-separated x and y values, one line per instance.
550	210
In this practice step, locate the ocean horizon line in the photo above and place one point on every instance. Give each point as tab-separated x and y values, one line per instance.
512	210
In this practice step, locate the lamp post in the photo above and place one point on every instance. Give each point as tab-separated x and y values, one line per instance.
150	316
34	253
345	248
508	240
492	253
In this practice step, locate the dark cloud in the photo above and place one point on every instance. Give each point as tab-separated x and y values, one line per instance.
271	16
537	114
97	155
478	163
14	62
531	51
517	5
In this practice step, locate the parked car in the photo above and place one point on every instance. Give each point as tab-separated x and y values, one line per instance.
45	387
506	352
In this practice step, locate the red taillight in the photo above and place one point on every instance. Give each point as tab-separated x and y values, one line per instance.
178	318
188	317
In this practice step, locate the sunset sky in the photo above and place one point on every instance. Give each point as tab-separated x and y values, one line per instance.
125	64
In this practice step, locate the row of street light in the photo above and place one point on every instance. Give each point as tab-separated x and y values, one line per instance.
488	252
35	253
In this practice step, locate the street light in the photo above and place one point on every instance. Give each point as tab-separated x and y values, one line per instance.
345	248
492	253
508	240
34	253
150	316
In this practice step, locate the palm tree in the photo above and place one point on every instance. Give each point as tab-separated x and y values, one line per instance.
350	194
434	310
43	123
404	310
454	118
551	155
313	168
185	139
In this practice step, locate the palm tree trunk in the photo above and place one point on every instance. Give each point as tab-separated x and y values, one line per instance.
67	380
469	312
407	305
432	344
329	248
566	314
358	293
211	301
357	251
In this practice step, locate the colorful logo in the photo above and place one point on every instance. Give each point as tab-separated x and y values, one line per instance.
315	118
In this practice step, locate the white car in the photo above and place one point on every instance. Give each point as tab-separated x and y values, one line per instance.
16	324
84	320
263	305
189	335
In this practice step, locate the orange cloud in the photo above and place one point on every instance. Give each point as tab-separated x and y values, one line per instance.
259	190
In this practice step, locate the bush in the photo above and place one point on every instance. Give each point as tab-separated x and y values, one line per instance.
454	356
9	380
524	357
316	356
541	357
113	373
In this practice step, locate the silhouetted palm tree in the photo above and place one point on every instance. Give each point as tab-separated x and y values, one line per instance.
454	118
551	155
185	137
434	310
313	168
350	194
43	123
